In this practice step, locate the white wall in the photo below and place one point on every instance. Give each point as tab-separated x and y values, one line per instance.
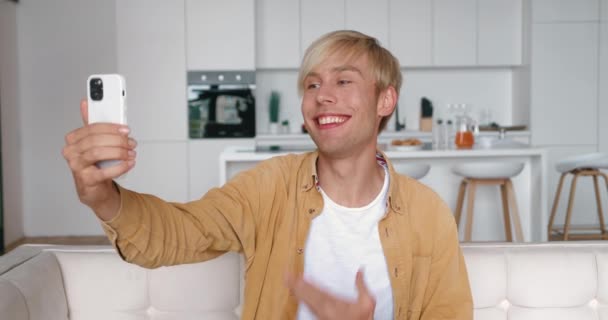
60	43
481	88
12	128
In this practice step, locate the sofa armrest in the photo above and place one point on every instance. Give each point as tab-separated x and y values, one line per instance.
12	304
40	284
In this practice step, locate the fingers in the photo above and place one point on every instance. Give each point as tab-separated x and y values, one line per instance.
93	176
94	156
97	128
84	111
316	299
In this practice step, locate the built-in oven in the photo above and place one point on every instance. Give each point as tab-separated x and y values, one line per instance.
221	104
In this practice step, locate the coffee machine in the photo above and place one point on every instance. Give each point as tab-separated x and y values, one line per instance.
221	104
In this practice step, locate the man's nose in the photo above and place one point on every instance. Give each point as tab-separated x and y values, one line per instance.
326	95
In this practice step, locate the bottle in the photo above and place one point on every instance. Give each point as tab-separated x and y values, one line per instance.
446	139
438	134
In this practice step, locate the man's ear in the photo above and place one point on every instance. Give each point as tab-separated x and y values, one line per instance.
387	101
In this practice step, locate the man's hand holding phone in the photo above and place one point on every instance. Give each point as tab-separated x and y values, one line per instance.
92	144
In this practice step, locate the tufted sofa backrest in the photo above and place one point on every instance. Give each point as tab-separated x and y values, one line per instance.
544	281
550	281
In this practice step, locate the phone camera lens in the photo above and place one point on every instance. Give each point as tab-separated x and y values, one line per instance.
96	89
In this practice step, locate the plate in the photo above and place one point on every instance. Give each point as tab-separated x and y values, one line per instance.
405	148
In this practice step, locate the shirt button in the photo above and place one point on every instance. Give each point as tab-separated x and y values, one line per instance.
300	250
311	211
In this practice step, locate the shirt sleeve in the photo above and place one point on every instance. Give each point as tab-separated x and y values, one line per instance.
448	295
151	232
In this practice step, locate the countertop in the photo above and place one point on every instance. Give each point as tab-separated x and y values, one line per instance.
249	154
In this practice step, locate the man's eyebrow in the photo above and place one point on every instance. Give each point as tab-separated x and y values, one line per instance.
347	68
312	74
336	69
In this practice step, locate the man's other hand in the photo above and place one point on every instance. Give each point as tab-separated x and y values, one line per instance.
328	307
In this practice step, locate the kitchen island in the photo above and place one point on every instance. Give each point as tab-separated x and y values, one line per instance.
529	185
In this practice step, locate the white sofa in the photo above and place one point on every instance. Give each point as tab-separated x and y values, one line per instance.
509	281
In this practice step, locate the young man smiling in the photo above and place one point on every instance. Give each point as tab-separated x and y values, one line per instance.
330	234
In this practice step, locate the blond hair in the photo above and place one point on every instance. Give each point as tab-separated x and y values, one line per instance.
352	44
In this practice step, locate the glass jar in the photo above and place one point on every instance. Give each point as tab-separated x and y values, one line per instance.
464	134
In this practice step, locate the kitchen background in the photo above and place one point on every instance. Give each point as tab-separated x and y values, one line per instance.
542	63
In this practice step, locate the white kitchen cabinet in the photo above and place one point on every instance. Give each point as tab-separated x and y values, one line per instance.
369	17
455	32
499	32
161	169
220	34
564	84
411	31
204	163
603	89
564	10
318	18
277	33
151	56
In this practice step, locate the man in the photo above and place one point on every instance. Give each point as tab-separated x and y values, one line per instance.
330	234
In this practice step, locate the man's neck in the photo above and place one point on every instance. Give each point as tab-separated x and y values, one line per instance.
352	181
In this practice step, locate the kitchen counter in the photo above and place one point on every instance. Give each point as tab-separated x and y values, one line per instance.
246	154
530	188
304	140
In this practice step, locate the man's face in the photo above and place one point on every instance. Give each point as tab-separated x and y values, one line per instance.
341	107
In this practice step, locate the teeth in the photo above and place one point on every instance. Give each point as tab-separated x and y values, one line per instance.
328	120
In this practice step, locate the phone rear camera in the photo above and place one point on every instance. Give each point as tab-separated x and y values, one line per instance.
96	89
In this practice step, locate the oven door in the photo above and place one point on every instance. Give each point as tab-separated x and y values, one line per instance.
221	104
222	112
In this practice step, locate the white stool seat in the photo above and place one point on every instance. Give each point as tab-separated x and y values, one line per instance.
597	160
488	170
413	170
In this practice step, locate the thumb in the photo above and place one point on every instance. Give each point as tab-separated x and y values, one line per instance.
361	287
364	299
84	111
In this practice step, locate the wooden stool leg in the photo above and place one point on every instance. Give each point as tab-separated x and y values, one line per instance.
514	211
505	212
555	203
570	203
470	206
598	198
460	201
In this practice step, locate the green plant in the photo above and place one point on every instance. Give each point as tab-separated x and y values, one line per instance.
273	106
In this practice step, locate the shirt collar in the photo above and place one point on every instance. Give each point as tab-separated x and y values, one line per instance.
309	178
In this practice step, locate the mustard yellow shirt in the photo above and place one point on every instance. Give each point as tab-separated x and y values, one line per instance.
265	213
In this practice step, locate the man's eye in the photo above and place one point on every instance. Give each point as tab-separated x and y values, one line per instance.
312	86
343	82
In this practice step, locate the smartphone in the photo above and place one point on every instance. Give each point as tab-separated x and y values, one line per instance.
107	98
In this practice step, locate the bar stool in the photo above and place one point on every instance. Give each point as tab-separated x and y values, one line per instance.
489	173
587	165
413	170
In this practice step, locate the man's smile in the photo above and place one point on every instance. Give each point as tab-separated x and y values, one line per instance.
331	121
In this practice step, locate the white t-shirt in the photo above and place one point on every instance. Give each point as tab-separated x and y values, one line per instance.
340	242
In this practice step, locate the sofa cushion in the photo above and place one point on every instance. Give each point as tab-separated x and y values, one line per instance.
210	286
99	285
549	278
